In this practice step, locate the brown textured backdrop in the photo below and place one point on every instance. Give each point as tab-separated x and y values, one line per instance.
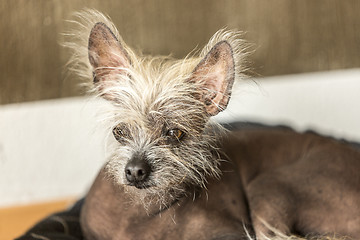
291	36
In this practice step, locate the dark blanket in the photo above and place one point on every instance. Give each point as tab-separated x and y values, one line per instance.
66	226
58	226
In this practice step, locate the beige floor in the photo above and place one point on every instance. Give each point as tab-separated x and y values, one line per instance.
14	221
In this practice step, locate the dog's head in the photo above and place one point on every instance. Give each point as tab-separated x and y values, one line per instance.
160	109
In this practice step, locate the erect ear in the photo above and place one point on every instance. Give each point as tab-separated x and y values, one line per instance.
215	74
106	55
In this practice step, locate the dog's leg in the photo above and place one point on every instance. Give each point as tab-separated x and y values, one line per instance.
316	195
271	206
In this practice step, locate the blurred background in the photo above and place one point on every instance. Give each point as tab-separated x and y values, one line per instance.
306	69
290	36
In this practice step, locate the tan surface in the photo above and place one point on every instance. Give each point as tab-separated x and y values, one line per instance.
14	221
290	36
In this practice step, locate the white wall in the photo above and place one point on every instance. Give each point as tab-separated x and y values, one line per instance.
328	102
48	150
53	149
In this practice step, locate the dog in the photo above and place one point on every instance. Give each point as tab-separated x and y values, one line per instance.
173	173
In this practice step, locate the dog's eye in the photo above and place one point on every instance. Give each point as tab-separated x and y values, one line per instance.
118	133
176	134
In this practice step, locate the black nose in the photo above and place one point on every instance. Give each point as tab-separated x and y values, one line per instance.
137	170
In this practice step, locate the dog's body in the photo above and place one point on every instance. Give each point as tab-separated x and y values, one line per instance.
297	183
172	174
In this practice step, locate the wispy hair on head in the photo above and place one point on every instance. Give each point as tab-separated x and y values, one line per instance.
149	96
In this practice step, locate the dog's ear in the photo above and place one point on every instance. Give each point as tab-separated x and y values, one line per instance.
215	75
106	55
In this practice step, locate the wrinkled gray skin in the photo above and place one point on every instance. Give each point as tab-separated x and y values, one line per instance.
297	183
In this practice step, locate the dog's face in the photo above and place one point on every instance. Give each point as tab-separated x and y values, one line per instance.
160	110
